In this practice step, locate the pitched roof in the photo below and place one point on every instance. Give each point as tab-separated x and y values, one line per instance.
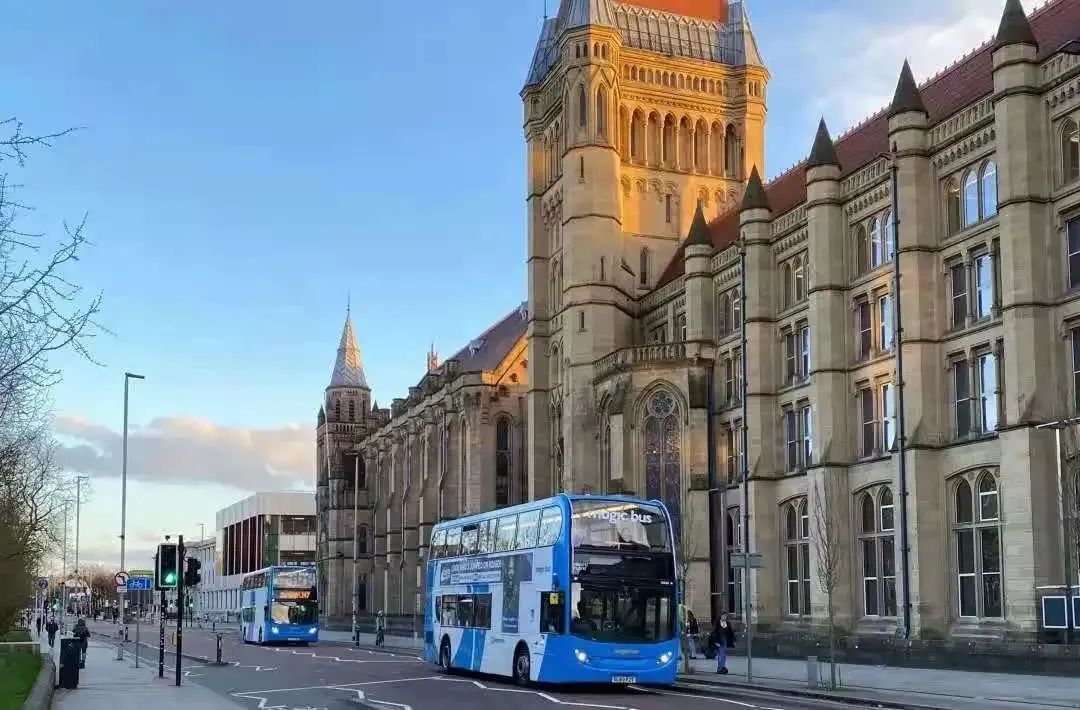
754	198
907	96
1014	27
348	367
699	230
823	151
960	85
491	347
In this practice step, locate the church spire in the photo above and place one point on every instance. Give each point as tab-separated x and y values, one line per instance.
348	368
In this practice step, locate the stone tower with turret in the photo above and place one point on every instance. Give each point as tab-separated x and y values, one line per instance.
343	420
635	113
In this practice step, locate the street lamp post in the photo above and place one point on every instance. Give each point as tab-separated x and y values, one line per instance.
78	508
122	596
355	545
1057	426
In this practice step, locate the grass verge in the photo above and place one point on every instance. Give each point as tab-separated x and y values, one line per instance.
18	671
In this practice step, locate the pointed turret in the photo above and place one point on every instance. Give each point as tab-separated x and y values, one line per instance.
823	152
321	418
754	198
907	96
348	368
1014	27
699	235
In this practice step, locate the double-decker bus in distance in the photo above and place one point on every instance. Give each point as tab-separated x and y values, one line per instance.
571	589
278	605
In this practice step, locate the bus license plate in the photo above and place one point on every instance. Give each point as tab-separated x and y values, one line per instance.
623	679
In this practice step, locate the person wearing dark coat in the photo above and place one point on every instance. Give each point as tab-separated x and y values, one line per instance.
723	638
51	628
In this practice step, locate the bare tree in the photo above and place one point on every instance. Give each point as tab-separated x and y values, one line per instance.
1070	500
686	551
829	544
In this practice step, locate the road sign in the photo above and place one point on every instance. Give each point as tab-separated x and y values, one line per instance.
121	579
738	559
137	584
42	583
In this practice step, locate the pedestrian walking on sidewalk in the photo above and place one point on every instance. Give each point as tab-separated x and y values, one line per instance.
723	638
38	622
51	628
83	634
380	628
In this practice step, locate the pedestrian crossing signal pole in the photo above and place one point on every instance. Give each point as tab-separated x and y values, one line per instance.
179	605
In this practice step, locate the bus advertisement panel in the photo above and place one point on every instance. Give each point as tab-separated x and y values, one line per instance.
572	589
279	605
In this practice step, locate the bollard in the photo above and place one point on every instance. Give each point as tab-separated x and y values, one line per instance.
219	649
813	674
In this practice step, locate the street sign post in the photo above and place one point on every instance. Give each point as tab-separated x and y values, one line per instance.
139	584
121	579
42	583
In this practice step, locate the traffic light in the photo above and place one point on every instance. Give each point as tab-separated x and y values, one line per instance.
191	573
167	572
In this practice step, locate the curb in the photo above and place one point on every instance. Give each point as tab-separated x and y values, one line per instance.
391	650
713	687
144	644
40	697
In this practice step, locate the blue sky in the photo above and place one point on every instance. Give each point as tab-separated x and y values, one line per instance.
247	165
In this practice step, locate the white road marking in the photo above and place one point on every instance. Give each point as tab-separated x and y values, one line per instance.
263	697
709	697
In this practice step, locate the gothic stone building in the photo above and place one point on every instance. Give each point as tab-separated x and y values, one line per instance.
644	126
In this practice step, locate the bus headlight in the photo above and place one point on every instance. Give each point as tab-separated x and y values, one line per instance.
665	657
312	630
274	630
581	656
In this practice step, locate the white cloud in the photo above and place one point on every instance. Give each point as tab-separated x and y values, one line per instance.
192	451
853	71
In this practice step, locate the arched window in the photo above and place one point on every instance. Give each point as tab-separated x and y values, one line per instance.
654	132
976	523
875	243
732	530
337	410
877	548
361	473
605	453
362	540
799	275
888	246
662	442
723	315
971	198
503	460
1070	151
732	168
736	310
716	149
797	556
643	268
701	147
789	284
953	221
669	142
352	410
583	108
988	187
601	113
637	137
862	250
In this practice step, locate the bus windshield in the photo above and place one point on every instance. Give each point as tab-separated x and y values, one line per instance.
622	615
619	526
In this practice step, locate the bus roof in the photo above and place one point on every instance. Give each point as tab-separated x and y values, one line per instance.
275	568
544	503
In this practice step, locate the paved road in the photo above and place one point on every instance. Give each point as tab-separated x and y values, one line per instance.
327	676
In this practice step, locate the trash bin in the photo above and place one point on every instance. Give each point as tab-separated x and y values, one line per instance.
70	651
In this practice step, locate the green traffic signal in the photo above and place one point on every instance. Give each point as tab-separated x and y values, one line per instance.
170	578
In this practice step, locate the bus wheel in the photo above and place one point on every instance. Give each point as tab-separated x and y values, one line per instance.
444	655
521	666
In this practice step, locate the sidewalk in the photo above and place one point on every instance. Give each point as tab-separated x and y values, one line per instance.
891	685
108	684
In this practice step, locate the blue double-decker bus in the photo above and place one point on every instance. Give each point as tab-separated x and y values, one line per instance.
571	589
279	605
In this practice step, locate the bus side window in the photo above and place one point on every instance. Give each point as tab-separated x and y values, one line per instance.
552	612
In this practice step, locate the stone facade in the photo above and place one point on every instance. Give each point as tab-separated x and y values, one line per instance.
633	335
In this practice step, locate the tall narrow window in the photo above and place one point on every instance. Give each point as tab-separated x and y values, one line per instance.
723	314
1072	230
885	322
730	448
804	350
799	274
1070	151
797	557
603	274
952	207
889	243
352	410
962	397
862	250
877	546
643	268
736	310
503	460
971	198
807	434
984	286
791	436
988	188
977	547
888	417
680	326
790	358
865	328
601	114
737	357
605	451
875	243
662	448
788	284
988	391
732	396
667	209
867	423
958	277
1074	337
734	544
583	108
